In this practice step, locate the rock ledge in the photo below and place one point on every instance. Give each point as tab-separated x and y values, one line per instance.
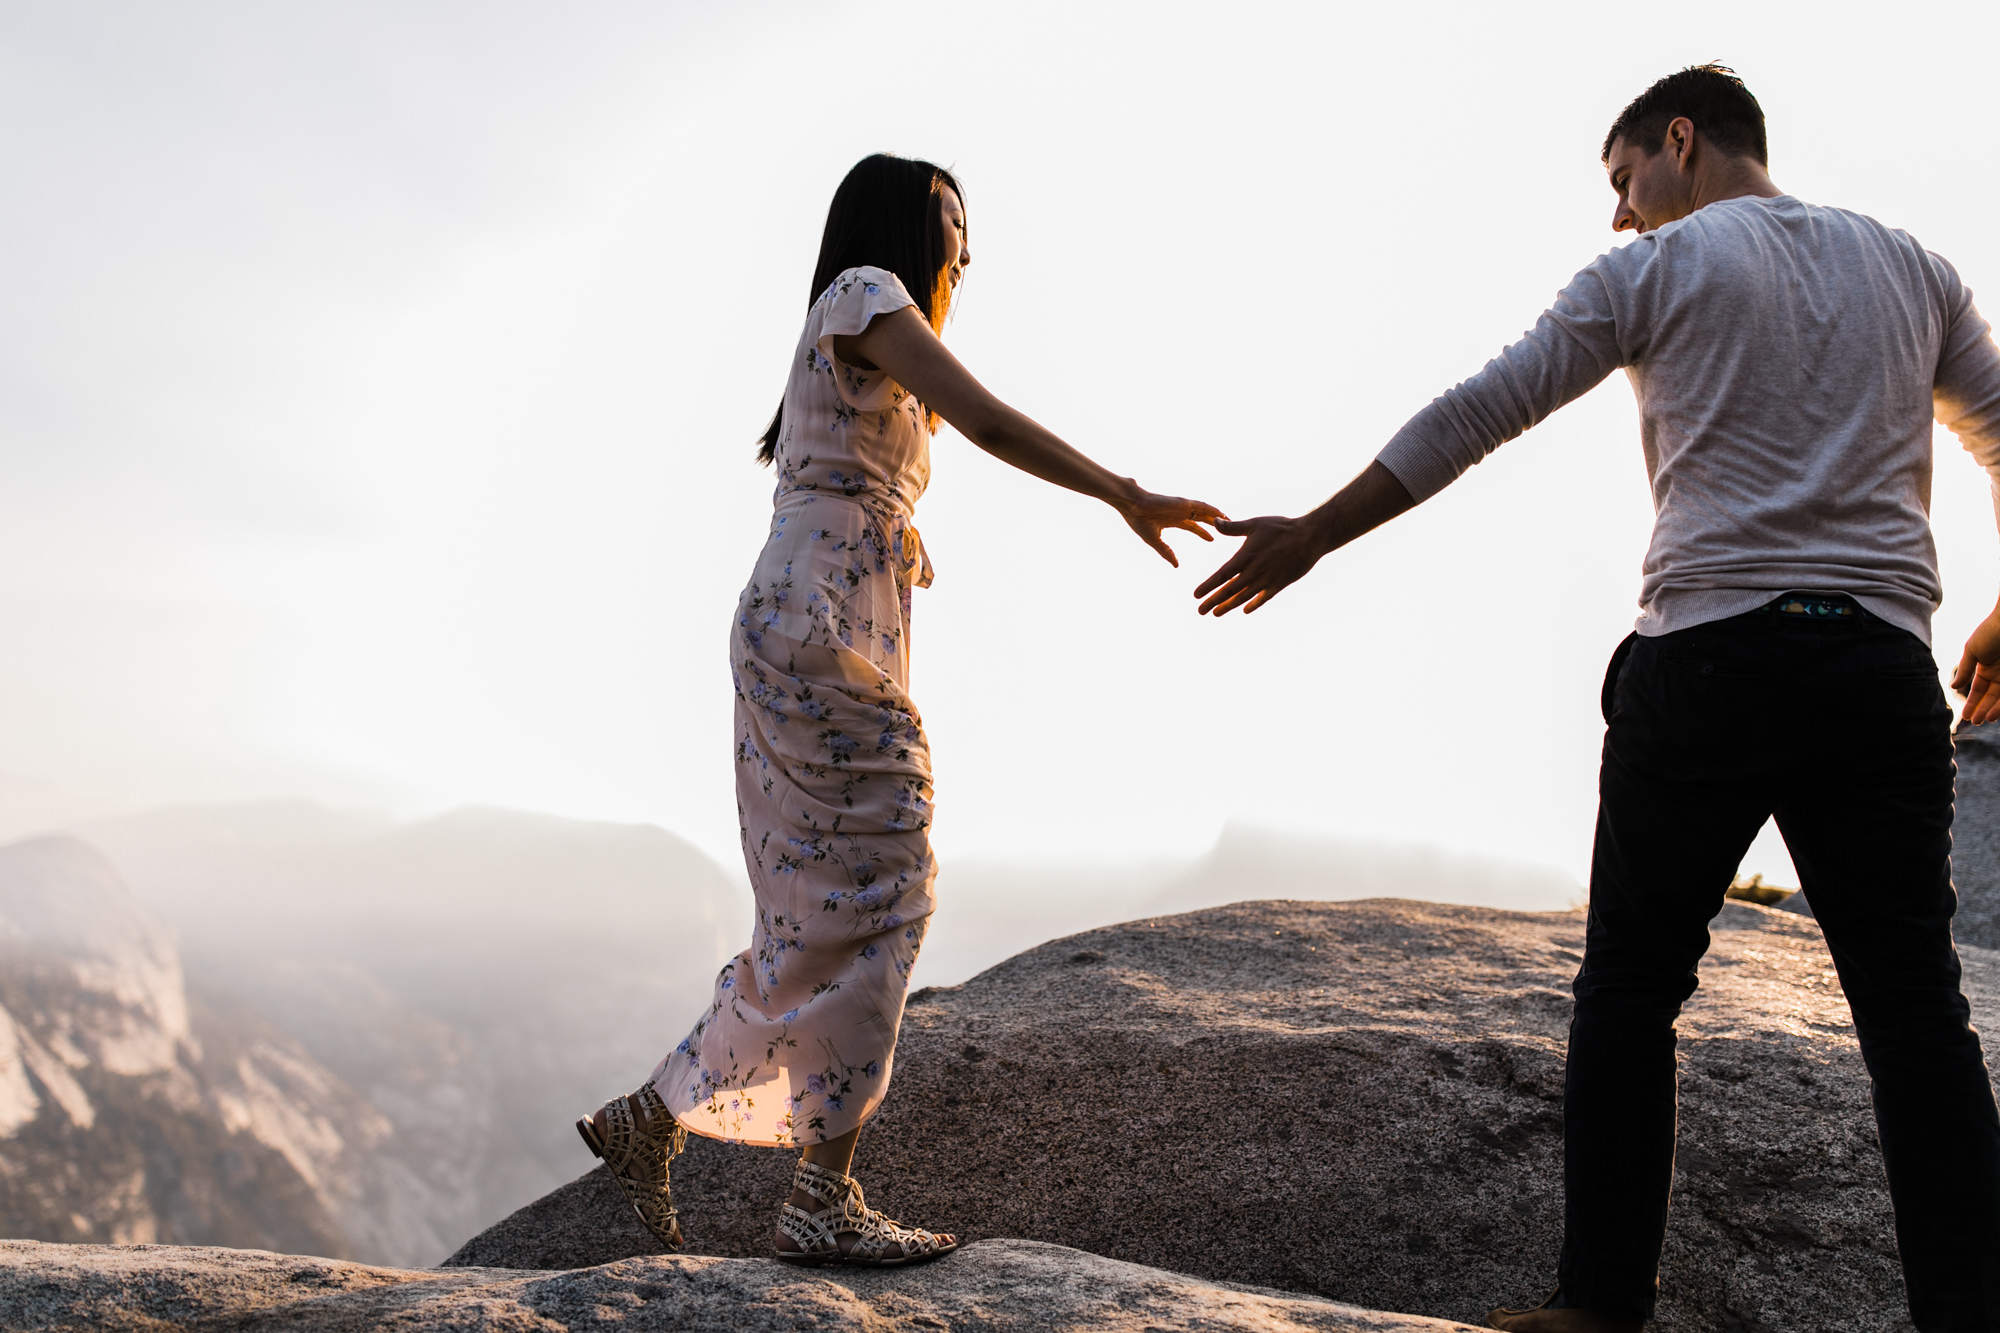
995	1286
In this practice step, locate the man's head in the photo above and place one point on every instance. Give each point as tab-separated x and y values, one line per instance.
1677	141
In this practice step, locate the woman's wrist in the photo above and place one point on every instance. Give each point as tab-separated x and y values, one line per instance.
1122	492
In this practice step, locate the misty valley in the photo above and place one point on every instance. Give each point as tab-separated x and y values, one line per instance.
279	1026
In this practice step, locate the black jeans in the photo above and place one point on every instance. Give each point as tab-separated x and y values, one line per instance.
1840	730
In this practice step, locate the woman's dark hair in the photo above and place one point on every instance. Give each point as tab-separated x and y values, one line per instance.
885	214
1711	96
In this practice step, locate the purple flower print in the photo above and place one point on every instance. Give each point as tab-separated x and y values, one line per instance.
892	920
815	1084
874	1069
870	952
791	1016
834	1103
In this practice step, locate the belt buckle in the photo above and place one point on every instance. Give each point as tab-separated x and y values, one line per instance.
1817	606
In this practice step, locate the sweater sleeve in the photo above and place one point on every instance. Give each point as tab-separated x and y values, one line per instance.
1966	392
1570	351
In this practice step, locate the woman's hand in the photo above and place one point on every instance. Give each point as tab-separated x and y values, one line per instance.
1978	674
1149	514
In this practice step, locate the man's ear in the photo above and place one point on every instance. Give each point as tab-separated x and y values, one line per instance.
1680	142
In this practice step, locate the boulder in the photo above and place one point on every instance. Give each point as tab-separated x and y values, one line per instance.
1975	837
1003	1286
1357	1101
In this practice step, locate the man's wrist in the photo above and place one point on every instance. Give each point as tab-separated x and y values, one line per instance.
1323	527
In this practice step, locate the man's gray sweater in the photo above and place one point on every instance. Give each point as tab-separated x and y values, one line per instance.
1788	360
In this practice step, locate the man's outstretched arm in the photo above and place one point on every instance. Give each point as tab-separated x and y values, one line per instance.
1281	551
1572	347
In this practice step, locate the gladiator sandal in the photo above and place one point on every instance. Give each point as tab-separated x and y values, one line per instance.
880	1242
638	1157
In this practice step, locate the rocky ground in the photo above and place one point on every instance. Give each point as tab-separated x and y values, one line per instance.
1975	837
1358	1101
1002	1286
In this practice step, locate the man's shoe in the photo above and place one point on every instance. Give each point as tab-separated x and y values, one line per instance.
1542	1319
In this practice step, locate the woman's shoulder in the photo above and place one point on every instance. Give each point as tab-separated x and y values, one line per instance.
866	280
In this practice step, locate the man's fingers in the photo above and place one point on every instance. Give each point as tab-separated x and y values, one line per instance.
1229	597
1241	527
1228	571
1224	594
1982	697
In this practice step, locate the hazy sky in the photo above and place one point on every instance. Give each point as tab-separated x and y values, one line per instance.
378	383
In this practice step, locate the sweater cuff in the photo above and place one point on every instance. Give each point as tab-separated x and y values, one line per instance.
1423	468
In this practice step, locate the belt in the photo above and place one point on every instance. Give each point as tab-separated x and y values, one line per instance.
1832	607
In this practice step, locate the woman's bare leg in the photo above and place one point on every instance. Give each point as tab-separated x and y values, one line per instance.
834	1155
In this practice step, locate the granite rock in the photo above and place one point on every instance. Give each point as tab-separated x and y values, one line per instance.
1000	1286
1358	1101
1975	837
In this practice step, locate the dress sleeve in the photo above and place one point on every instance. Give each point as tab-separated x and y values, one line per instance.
855	298
1966	392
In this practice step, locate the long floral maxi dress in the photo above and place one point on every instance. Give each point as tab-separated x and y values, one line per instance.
833	771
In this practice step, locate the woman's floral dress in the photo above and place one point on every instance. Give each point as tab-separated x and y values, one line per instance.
833	771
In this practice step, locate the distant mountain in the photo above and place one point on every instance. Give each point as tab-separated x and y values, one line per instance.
125	1115
990	910
480	978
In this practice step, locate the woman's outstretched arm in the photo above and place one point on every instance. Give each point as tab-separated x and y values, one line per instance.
903	347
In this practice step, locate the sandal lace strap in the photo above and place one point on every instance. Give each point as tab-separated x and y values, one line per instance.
639	1155
808	1231
877	1237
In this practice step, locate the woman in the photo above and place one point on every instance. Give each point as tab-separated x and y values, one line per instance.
833	778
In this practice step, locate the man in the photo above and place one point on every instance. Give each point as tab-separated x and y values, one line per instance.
1787	361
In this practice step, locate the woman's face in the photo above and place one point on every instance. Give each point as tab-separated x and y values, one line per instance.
952	217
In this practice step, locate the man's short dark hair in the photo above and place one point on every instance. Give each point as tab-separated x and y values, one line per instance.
1711	96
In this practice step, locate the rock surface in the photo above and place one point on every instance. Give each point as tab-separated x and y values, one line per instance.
1360	1101
1975	837
997	1286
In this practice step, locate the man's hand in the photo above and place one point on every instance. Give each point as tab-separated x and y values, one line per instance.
1281	551
1978	674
